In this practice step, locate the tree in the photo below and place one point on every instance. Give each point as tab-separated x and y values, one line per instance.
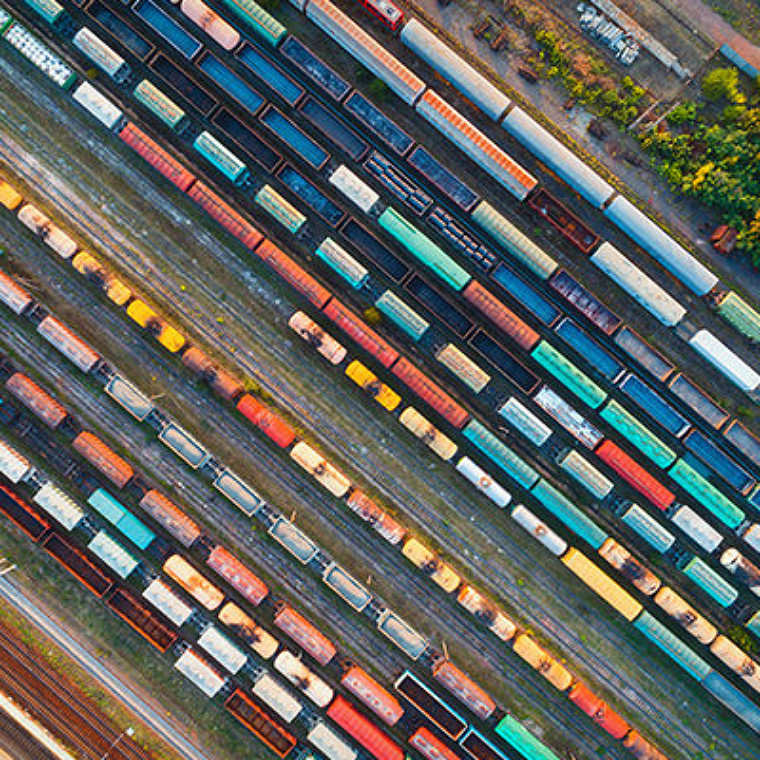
721	84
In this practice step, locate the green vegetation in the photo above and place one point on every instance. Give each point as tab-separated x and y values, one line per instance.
710	152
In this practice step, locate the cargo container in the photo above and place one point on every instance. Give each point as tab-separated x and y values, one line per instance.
121	518
563	220
280	209
216	28
525	422
40	55
471	141
97	105
737	660
22	514
629	567
437	174
640	748
294	540
486	612
568	374
635	475
103	459
269	423
202	590
222	650
460	365
262	642
499	453
706	494
260	724
160	105
555	673
685	615
78	564
402	315
504	318
12	465
710	582
304	634
696	528
583	472
672	646
463	688
430	747
745	571
484	482
625	423
733	699
41	403
42	227
747	443
577	425
300	676
112	554
638	285
329	743
167	602
698	401
346	587
568	513
726	361
145	622
519	738
64	510
315	336
539	530
637	348
170	517
359	728
320	469
430	705
240	577
589	350
87	42
265	26
159	159
371	385
736	311
200	673
315	68
719	462
297	277
431	565
402	634
654	405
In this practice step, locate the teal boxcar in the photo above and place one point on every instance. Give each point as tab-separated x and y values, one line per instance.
568	514
423	249
498	452
50	10
343	263
645	526
268	28
221	157
706	494
681	654
159	104
123	520
568	374
710	582
518	737
275	205
402	315
631	429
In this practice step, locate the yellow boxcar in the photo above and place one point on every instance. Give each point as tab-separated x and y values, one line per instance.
540	660
371	384
88	265
142	313
167	336
9	197
601	583
423	429
439	572
171	339
684	614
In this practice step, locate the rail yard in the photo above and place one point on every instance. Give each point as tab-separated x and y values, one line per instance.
351	411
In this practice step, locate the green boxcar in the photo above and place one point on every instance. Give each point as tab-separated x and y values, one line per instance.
402	315
735	310
221	157
568	374
518	737
275	205
5	20
342	262
268	28
630	428
423	249
159	104
484	440
50	10
519	245
706	494
710	582
568	514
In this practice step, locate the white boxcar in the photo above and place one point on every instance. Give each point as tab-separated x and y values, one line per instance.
59	506
484	482
97	105
72	347
525	422
277	697
355	189
697	529
222	649
458	363
320	469
113	554
13	295
12	465
167	602
299	675
42	226
329	743
197	670
539	530
570	419
315	336
586	474
725	361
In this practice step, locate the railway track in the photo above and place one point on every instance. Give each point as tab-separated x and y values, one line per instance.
17	744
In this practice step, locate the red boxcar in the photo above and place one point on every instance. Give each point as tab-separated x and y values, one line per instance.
464	689
640	748
198	362
430	746
363	731
103	458
599	710
293	274
243	580
502	316
431	393
157	157
171	517
372	694
230	219
634	474
561	218
307	636
269	423
38	401
365	336
226	385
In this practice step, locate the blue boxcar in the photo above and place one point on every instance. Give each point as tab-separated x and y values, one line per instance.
231	83
294	138
719	462
272	75
315	68
602	361
334	129
524	294
373	118
167	27
654	405
733	699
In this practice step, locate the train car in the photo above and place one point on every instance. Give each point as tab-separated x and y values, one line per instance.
222	212
430	747
243	626
430	564
167	28
21	513
304	634
346	587
438	175
486	612
737	660
50	10
726	361
402	634
113	555
586	701
602	585
185	575
42	227
479	748
738	313
473	143
240	577
97	273
625	423
185	446
42	404
97	105
499	453
13	466
63	509
324	76
539	530
329	742
698	401
200	673
171	518
167	602
299	279
67	343
398	183
464	368
583	472
387	12
172	340
13	295
40	55
103	458
646	356
237	491
426	701
78	564
700	531
707	579
422	428
745	571
342	262
542	662
294	540
295	138
563	220
121	518
311	195
635	475
744	441
279	699
719	462
299	675
221	158
654	405
320	469
147	624
260	724
570	419
222	650
371	385
211	23
402	315
733	699
629	567
525	422
372	694
365	733
380	520
685	615
262	23
640	748
463	688
330	125
576	381
104	57
160	105
519	738
483	482
267	421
